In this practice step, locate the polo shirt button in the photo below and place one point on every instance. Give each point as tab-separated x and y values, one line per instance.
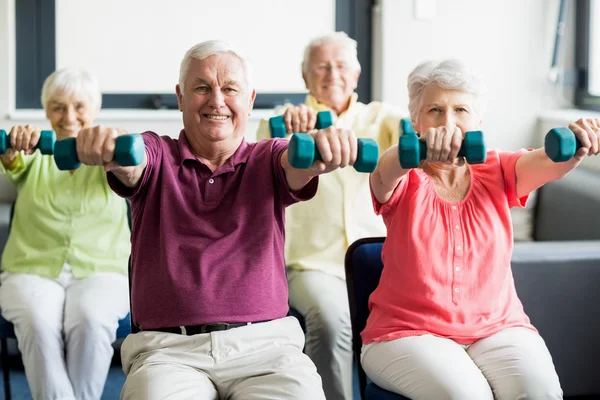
456	227
456	289
457	269
459	248
454	207
211	181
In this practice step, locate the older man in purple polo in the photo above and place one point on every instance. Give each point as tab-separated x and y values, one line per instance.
209	290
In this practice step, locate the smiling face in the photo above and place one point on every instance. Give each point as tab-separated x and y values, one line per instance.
215	99
444	107
68	114
331	77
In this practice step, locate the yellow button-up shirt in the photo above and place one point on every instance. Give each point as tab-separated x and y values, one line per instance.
319	231
64	218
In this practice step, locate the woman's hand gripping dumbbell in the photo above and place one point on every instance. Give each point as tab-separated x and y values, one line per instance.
28	139
99	146
305	148
441	144
580	139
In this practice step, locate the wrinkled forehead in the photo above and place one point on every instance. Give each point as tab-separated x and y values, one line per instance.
217	68
436	95
67	97
330	51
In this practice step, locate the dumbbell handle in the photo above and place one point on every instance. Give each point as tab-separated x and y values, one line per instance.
129	151
366	159
423	149
472	148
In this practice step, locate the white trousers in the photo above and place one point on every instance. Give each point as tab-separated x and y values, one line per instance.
512	364
322	299
259	361
65	328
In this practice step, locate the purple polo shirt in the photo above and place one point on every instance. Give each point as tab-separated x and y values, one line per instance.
208	246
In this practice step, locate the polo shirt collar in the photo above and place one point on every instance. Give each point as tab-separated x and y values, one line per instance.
313	103
240	156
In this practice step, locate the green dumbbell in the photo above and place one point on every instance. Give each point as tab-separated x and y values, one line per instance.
561	144
302	152
278	130
411	150
129	151
45	144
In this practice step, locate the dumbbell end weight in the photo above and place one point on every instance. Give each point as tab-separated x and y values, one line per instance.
368	155
129	150
277	127
406	127
324	120
4	142
473	147
65	154
561	144
45	143
411	151
302	151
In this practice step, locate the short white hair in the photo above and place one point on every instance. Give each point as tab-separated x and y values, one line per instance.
448	74
340	38
71	81
208	48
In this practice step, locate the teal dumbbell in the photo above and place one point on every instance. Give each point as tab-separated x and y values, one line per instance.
45	144
277	125
411	150
129	151
561	144
406	126
302	152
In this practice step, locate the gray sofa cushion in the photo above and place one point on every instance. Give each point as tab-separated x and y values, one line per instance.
4	218
557	283
569	209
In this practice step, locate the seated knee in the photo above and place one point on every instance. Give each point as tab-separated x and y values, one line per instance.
536	388
37	325
88	323
462	390
330	326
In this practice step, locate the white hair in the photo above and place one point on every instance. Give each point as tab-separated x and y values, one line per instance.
448	74
340	38
72	81
208	48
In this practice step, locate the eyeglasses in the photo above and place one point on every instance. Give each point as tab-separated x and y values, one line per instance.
328	68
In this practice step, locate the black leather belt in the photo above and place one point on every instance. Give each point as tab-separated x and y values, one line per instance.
205	328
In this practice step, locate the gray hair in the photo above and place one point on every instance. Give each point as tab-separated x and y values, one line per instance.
208	48
72	81
448	74
340	38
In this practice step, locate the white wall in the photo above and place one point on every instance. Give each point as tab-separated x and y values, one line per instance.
508	41
146	48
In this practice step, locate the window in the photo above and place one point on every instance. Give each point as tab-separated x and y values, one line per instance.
587	54
47	38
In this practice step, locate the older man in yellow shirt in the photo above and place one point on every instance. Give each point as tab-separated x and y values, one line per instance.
319	231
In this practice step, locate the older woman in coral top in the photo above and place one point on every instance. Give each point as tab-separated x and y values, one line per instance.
446	321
